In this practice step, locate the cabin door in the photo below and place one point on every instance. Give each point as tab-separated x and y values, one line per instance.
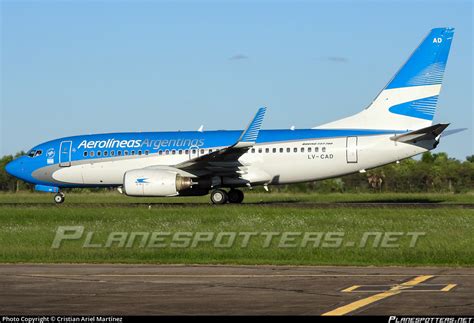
65	154
351	150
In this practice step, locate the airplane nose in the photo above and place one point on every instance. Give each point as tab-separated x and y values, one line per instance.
13	168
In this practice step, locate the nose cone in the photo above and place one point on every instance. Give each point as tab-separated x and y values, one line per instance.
14	168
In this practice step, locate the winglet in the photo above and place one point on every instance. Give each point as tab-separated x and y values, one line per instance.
250	134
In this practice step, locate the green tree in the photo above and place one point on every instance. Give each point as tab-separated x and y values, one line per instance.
7	182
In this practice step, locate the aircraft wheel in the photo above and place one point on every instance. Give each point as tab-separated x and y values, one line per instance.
219	197
59	198
235	196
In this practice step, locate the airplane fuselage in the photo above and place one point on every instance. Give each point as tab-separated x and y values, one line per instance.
278	157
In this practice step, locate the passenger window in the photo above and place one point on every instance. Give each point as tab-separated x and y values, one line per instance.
132	153
323	149
139	153
98	153
119	153
106	153
146	152
253	150
186	151
295	150
210	151
193	151
302	149
281	150
92	154
125	153
167	152
259	150
173	152
316	149
274	150
309	149
180	152
112	153
202	151
85	154
288	149
160	152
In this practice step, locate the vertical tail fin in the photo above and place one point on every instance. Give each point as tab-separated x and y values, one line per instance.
409	100
427	63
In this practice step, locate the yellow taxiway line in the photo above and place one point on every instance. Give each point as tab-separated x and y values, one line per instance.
448	287
397	289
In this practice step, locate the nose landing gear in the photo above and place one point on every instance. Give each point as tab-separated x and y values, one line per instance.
59	198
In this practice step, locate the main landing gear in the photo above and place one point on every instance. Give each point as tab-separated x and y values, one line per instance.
59	198
219	196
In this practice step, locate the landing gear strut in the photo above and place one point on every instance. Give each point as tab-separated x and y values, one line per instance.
59	198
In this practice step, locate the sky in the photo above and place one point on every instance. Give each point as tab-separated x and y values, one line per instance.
78	67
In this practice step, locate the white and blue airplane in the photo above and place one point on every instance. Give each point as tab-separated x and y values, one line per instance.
396	125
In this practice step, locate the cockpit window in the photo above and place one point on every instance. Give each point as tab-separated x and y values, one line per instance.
35	153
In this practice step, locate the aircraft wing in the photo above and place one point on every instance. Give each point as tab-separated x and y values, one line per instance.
224	162
428	133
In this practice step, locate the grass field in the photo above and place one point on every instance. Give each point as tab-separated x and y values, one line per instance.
27	232
250	197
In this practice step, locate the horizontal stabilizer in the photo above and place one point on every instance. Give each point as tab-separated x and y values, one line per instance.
428	133
453	131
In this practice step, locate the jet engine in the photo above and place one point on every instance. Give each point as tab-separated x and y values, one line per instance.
155	182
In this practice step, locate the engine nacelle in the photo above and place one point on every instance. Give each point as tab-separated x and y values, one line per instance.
148	182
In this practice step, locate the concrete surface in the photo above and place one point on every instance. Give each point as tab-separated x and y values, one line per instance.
169	289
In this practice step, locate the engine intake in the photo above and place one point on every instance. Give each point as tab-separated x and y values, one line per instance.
148	182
